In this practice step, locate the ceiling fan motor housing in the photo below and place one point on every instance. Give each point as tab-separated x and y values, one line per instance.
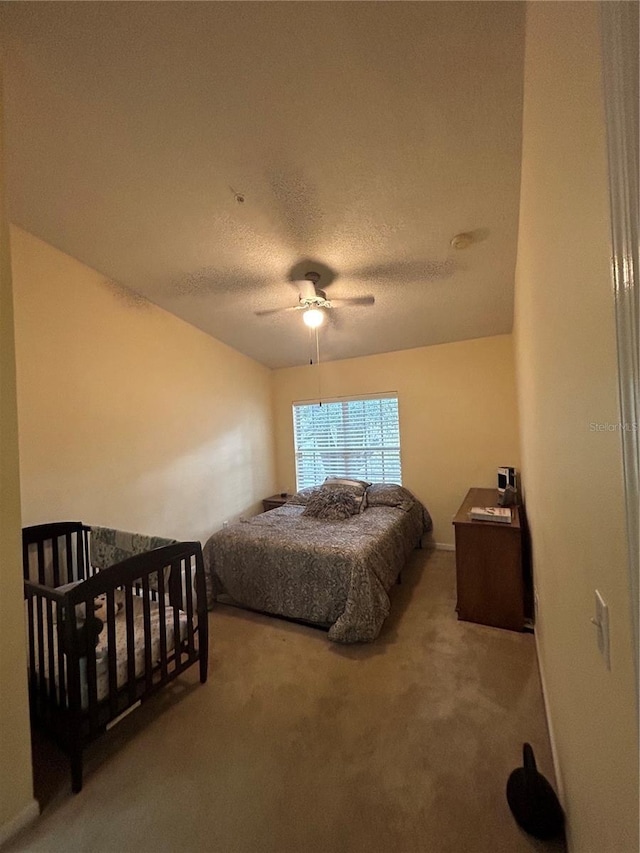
310	297
319	298
318	301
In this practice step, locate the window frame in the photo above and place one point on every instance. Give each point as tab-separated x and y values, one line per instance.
363	453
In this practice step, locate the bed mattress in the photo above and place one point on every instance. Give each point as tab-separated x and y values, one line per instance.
332	573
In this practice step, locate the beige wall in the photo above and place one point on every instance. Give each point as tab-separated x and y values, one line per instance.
572	475
458	418
16	794
129	417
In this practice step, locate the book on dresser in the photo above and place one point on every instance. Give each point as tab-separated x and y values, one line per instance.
490	513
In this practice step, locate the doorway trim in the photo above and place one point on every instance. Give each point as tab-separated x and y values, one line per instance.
620	79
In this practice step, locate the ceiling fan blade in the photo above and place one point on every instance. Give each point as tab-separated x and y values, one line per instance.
278	310
353	300
335	321
294	202
403	272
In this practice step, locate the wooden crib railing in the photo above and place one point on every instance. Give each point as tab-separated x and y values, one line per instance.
70	698
57	553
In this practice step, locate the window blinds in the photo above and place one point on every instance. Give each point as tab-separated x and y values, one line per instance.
357	438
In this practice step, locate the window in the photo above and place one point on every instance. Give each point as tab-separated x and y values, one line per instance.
357	438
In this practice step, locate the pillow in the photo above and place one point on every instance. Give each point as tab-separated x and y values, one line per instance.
390	494
358	487
300	498
334	503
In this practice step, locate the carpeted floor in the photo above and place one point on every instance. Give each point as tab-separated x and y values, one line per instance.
297	744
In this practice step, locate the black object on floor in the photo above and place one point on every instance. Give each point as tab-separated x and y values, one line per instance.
533	801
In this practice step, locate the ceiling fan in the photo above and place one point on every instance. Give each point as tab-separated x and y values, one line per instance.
314	302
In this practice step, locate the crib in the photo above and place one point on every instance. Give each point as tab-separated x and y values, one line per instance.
87	673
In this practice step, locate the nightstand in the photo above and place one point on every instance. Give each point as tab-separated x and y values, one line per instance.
274	502
489	571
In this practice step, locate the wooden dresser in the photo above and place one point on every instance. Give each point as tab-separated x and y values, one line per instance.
489	567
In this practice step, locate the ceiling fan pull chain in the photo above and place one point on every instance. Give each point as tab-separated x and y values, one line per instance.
318	365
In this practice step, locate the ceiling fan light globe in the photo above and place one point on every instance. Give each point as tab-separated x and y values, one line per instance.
313	317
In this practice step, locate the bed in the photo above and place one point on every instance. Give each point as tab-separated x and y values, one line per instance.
104	638
334	574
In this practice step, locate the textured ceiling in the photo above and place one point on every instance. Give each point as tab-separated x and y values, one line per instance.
363	136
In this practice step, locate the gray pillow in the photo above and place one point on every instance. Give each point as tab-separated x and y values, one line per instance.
300	498
333	503
358	487
390	494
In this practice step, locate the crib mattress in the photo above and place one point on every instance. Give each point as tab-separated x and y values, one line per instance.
102	667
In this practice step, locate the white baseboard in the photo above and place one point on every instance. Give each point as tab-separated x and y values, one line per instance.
12	827
443	546
552	739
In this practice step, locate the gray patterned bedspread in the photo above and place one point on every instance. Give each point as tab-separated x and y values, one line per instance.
333	573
